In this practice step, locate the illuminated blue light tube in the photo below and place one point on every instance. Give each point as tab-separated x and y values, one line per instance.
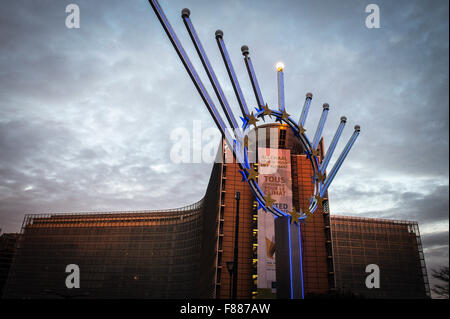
210	72
190	69
280	78
339	162
332	146
320	126
304	114
232	73
251	73
194	76
301	258
290	258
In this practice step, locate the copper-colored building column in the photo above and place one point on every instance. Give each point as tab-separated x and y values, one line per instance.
315	256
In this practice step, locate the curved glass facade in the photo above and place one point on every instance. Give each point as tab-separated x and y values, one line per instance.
137	254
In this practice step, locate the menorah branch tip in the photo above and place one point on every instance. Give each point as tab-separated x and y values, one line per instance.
245	50
185	13
219	34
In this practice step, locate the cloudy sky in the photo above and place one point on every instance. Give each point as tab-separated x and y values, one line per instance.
86	114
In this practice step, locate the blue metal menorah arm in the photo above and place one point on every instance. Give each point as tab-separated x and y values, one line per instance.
339	162
209	70
253	79
320	126
332	146
232	73
190	69
304	114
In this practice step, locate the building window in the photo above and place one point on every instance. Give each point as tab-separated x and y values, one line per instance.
282	138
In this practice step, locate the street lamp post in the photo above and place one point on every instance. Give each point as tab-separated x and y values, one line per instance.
230	265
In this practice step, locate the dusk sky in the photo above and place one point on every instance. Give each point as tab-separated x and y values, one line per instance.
86	114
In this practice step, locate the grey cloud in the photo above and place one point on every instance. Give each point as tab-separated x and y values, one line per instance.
435	239
424	208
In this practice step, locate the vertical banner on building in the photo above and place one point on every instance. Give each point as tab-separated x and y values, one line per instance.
274	177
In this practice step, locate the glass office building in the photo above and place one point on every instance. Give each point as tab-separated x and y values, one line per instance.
393	245
144	254
133	252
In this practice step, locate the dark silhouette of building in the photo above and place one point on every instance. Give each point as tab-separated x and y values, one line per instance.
183	253
7	249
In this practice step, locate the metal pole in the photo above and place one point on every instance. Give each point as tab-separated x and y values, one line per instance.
280	82
301	121
341	159
332	146
209	70
232	73
320	126
236	248
231	284
230	265
194	75
251	73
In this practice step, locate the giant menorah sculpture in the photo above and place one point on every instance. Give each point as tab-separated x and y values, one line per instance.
289	255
